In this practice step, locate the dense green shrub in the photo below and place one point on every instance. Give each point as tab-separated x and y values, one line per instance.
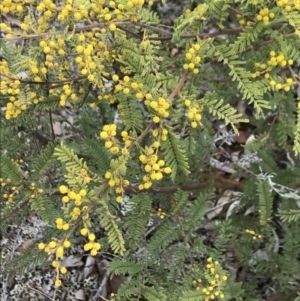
139	137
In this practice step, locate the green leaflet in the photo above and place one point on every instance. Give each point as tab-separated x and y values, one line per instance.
174	154
226	112
9	169
114	235
265	201
122	267
44	160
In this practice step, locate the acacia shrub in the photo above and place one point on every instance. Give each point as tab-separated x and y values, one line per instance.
102	101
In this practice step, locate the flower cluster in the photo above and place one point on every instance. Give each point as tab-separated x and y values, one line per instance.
9	193
278	60
78	199
62	225
11	87
253	233
153	166
14	8
286	86
265	15
91	245
193	113
118	181
36	191
126	138
83	177
288	5
161	214
275	60
126	86
216	278
160	107
17	162
106	97
160	134
242	20
108	134
5	28
74	210
67	94
193	59
92	54
57	248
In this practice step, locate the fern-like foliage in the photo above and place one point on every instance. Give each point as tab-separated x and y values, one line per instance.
225	112
45	206
249	35
296	147
192	295
48	103
73	164
153	294
100	157
149	17
185	22
129	290
257	143
252	91
181	198
265	201
114	235
289	216
293	19
44	160
122	267
166	234
291	249
219	10
131	114
174	154
196	212
136	218
9	169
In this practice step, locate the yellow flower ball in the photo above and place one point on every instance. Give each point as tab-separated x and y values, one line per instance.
115	78
66	227
54	263
63	270
156	119
57	282
84	231
67	244
93	252
59	252
82	192
112	27
119	199
167	170
65	199
52	244
41	246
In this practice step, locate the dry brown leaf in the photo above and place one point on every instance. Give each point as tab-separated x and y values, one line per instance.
72	261
80	295
26	245
216	210
230	209
89	266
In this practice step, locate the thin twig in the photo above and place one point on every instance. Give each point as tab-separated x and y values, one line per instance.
51	126
102	284
39	292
